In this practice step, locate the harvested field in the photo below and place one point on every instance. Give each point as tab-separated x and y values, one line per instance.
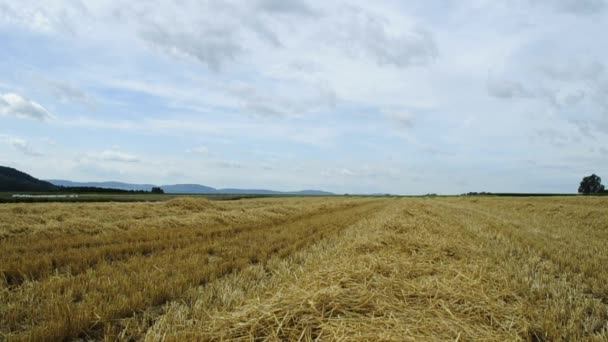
306	269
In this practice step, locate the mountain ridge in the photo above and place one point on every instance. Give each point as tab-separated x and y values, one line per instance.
14	180
185	188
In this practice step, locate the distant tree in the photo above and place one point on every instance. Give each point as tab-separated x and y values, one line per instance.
157	190
591	185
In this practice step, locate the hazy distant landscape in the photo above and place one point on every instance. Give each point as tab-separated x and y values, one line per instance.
183	188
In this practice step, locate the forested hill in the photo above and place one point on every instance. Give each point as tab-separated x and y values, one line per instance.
15	180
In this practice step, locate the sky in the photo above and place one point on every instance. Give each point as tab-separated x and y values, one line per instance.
403	97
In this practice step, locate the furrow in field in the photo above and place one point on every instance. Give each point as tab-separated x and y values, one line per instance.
420	270
569	238
562	287
71	253
89	304
394	276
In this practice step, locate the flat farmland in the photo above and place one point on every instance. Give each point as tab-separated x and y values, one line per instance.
282	269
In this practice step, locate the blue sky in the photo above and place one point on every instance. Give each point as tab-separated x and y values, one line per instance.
406	97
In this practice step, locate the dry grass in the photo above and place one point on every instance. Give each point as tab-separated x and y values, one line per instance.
385	278
61	284
308	269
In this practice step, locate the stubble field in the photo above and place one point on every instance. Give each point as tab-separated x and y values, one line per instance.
306	269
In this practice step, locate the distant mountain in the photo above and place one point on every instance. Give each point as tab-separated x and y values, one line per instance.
272	192
312	193
15	180
186	188
248	191
103	185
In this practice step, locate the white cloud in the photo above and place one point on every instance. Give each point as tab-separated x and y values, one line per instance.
297	7
569	95
65	92
118	156
364	33
20	145
234	32
24	147
578	6
572	69
220	33
403	118
347	172
200	149
223	164
570	89
507	89
14	105
108	162
284	99
211	46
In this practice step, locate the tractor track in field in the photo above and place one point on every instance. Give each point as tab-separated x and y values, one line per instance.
51	256
141	282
